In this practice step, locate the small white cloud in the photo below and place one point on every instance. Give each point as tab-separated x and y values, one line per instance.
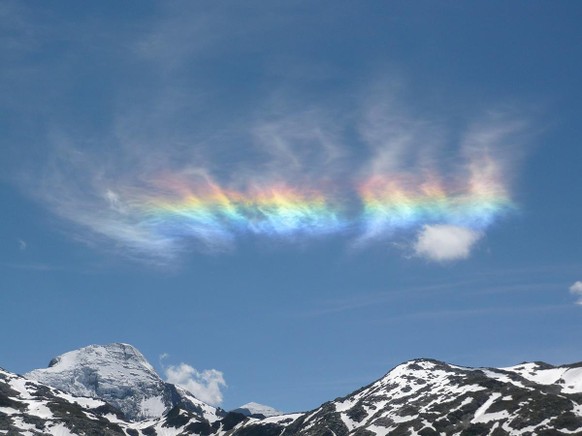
444	243
576	289
205	385
22	245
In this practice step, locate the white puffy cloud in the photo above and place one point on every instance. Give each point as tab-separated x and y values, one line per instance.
205	385
576	289
444	243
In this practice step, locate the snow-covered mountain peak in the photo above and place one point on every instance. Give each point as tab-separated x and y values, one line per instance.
119	374
427	397
256	409
418	369
111	357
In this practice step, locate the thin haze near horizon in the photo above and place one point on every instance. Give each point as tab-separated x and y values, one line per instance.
279	202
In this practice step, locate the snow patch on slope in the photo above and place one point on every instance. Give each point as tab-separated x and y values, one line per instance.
570	379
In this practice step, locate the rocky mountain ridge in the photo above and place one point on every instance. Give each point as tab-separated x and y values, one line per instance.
420	397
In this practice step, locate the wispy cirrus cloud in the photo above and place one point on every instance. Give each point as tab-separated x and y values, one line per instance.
299	176
187	162
389	298
478	312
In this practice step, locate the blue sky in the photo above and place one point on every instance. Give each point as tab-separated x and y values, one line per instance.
299	196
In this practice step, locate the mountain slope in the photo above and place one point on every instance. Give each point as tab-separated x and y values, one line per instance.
30	408
420	397
568	377
120	375
427	397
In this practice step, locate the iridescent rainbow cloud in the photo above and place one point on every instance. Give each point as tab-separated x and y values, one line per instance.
391	204
380	205
209	210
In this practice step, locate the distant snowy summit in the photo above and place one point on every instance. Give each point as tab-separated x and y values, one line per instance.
257	410
120	375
